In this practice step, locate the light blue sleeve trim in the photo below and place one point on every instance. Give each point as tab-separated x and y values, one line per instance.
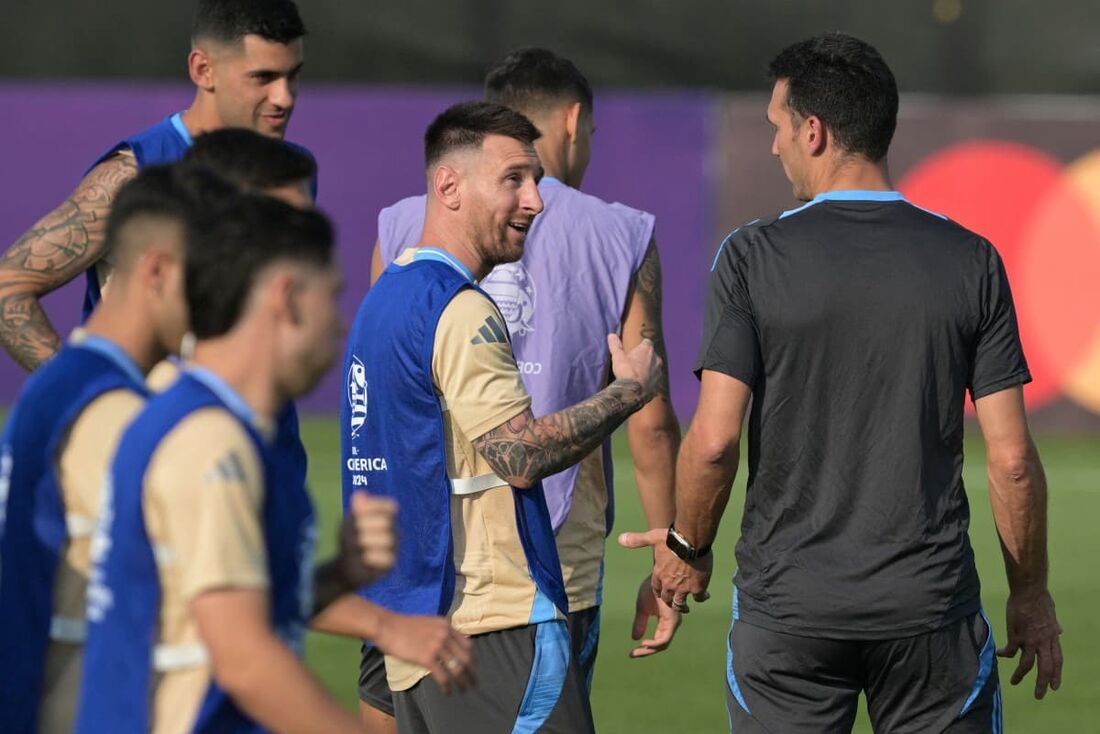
722	246
434	253
731	679
177	122
225	393
548	673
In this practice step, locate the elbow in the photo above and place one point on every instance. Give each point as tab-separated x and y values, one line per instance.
239	678
1013	467
717	450
523	482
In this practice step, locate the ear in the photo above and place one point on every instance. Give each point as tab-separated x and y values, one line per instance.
815	135
446	186
200	67
153	267
281	296
572	121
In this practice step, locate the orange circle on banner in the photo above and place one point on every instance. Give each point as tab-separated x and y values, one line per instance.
995	188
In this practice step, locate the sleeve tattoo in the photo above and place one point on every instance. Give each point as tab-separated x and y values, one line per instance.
525	449
650	293
55	250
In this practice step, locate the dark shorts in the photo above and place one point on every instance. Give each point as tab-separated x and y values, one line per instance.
584	633
528	681
373	688
942	681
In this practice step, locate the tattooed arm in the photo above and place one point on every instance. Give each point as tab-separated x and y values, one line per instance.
653	432
525	449
57	249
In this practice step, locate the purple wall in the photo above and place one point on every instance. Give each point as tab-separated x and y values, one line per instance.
650	152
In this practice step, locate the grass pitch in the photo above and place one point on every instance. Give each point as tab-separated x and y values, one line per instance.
682	689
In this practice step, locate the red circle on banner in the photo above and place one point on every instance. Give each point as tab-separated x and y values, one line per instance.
994	188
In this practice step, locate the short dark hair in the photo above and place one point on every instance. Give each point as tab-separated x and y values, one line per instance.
846	83
230	250
182	193
252	160
228	21
530	78
467	124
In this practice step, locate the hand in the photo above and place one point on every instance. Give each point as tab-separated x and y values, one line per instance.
1033	630
367	539
432	643
668	621
673	578
641	364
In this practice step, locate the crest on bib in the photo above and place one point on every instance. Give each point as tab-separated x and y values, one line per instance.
513	290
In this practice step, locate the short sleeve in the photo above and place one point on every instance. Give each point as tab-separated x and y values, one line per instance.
205	493
999	361
731	341
473	366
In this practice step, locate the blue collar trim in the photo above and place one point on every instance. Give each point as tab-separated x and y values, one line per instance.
847	195
177	122
225	393
434	253
550	179
113	352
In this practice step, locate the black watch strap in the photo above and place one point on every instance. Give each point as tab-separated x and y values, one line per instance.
679	545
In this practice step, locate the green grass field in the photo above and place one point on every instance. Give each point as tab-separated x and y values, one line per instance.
681	690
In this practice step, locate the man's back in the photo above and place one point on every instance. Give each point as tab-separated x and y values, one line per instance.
860	321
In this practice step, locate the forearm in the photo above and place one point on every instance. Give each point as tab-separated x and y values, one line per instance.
350	615
25	330
654	437
329	584
273	687
525	449
704	476
1018	495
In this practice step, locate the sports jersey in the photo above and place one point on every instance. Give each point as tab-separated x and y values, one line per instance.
42	535
193	506
430	368
860	322
559	302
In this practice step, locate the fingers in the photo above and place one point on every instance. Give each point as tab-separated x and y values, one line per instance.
641	621
374	530
1009	650
667	624
649	538
679	603
701	596
615	345
1049	665
451	667
1027	661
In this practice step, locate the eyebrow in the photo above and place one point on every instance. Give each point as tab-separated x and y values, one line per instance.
274	73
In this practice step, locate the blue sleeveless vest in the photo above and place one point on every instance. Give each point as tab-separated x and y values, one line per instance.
392	441
124	595
32	514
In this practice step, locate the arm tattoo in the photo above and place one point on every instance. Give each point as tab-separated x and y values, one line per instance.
55	250
525	449
650	292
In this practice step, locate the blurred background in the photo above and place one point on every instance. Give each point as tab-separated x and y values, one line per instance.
999	129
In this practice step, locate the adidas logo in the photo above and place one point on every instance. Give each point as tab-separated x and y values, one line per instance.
492	331
229	470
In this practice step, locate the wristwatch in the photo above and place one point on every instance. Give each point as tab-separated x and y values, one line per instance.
679	545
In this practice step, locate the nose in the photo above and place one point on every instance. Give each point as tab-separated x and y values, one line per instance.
532	200
775	144
282	93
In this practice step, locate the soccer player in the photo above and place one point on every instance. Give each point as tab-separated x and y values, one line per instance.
61	433
202	583
436	416
857	323
588	268
282	170
245	60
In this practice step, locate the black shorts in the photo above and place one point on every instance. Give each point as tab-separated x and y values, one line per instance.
584	633
942	681
527	681
374	690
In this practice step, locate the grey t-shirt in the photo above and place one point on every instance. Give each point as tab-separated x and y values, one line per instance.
859	321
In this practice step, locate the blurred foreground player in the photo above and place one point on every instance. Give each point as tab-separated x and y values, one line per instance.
62	432
588	268
436	416
276	168
245	60
203	583
857	323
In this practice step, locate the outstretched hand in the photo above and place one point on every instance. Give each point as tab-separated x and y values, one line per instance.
668	621
673	578
1033	630
368	540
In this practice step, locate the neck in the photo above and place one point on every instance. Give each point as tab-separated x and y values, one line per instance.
202	116
244	358
452	239
852	173
552	157
124	322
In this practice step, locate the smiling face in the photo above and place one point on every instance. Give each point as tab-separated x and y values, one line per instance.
255	83
499	191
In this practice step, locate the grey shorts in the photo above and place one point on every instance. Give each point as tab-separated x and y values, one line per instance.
374	690
528	681
941	681
584	633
